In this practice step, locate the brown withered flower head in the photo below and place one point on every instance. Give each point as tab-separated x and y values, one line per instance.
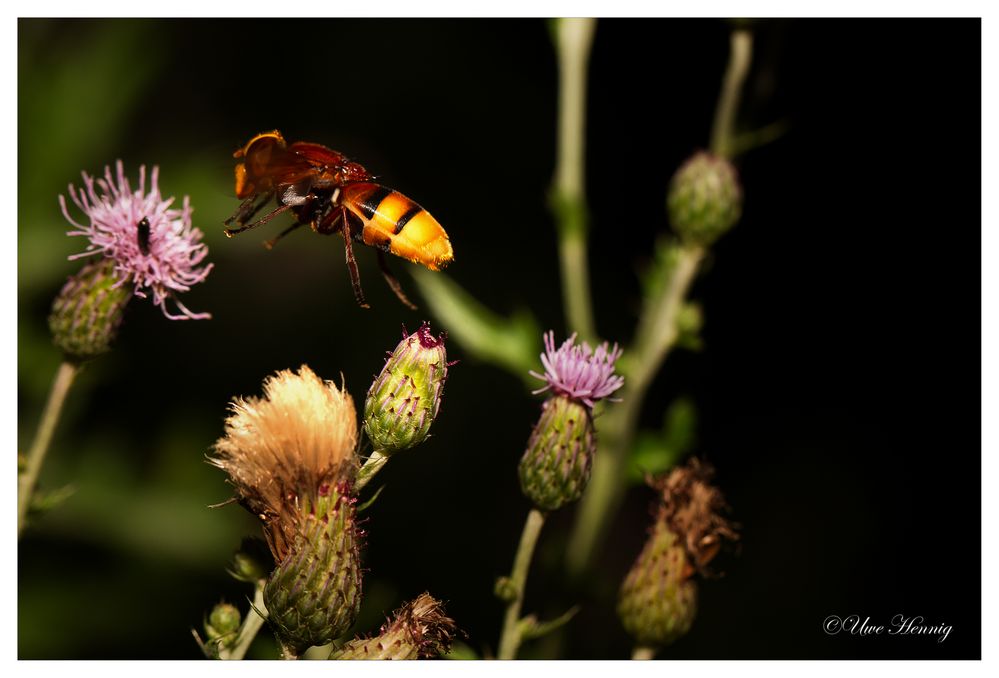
658	598
286	449
292	457
418	630
691	506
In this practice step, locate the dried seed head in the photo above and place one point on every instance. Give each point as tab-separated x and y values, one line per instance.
285	451
692	508
658	598
419	630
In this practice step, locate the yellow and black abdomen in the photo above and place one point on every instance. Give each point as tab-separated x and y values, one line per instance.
394	222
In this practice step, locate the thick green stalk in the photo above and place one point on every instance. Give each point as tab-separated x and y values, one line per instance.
573	39
50	417
251	625
512	636
657	334
740	56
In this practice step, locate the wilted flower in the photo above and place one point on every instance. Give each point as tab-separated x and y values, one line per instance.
292	458
153	246
418	630
579	372
658	598
555	468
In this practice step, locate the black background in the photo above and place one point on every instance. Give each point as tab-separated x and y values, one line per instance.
838	390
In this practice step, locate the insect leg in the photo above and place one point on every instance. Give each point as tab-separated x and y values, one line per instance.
229	232
269	244
393	282
355	278
247	209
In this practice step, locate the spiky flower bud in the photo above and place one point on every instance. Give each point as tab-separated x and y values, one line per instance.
222	624
292	459
556	465
658	598
419	630
404	399
704	199
88	311
252	562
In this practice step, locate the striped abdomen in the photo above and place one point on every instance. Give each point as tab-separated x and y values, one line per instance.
394	222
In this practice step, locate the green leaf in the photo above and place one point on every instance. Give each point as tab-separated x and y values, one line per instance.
658	451
531	628
461	651
512	343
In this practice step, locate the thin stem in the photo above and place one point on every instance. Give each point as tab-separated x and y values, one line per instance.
740	56
511	637
251	625
657	334
573	39
371	466
641	652
36	455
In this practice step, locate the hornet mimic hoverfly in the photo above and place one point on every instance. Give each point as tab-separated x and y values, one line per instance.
332	194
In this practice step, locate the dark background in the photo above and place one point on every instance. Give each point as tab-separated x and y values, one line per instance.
837	392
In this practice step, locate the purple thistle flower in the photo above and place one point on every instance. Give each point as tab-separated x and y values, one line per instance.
152	245
579	372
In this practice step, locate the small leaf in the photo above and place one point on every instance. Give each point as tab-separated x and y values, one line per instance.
371	501
656	452
531	628
46	501
461	651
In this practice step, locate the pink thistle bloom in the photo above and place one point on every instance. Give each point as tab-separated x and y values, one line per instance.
579	372
154	246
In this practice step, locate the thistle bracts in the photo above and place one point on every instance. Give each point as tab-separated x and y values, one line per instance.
88	311
658	598
556	466
314	594
292	459
418	630
405	397
704	199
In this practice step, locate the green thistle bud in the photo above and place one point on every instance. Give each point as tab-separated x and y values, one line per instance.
704	199
419	630
555	467
252	562
404	399
88	311
222	624
313	595
658	600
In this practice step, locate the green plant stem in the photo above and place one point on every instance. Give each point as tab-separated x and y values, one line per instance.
573	39
511	637
740	56
641	652
36	455
657	334
251	625
371	466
